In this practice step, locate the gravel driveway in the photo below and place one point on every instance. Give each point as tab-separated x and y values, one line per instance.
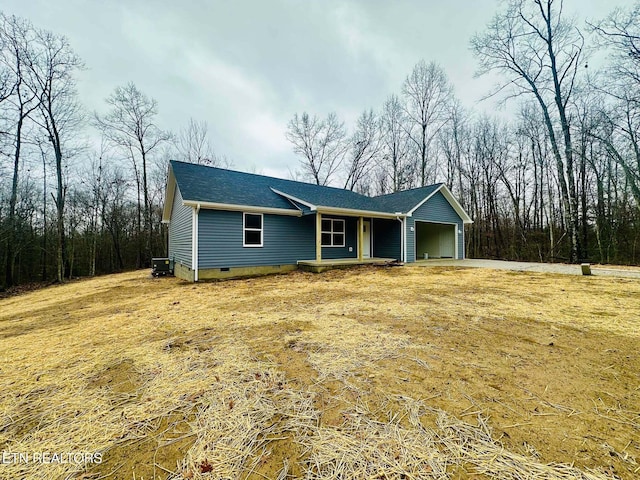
563	268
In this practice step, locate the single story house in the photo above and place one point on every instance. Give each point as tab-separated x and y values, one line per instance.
224	223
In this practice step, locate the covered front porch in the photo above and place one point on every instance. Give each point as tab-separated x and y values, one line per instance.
343	239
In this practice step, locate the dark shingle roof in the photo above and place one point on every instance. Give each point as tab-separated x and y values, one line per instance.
407	199
201	183
217	185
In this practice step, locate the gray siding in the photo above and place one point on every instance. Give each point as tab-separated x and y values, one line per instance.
180	230
350	240
285	240
386	238
436	209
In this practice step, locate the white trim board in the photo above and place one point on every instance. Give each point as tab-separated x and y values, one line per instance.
370	233
348	212
245	229
242	208
194	242
403	239
167	209
295	199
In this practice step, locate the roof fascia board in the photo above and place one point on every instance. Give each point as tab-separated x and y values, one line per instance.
358	213
295	199
168	201
242	208
450	198
292	202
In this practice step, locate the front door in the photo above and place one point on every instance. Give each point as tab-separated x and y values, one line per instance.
366	239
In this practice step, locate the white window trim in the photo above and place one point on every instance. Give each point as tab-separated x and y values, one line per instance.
245	229
332	232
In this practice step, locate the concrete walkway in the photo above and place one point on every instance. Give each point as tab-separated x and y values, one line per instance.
563	268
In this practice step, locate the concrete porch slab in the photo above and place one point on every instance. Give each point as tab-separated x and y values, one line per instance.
324	265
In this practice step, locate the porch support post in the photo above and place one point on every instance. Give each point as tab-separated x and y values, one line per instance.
318	236
194	242
360	238
405	258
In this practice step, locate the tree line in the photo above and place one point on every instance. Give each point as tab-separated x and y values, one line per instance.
102	213
558	180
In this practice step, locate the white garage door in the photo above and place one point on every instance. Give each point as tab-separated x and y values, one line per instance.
437	240
447	242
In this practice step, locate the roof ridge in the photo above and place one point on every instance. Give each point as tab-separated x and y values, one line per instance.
409	190
288	180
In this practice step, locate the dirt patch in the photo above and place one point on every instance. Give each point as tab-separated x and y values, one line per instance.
200	340
301	375
120	378
157	453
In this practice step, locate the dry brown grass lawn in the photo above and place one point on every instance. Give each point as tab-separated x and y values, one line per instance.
367	373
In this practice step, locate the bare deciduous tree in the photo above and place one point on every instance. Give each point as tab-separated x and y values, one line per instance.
540	53
621	120
114	214
395	142
51	68
193	144
428	95
130	125
621	31
7	62
16	37
452	142
321	144
364	149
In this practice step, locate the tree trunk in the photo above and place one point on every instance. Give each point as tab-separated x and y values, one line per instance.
571	200
423	156
12	207
44	220
139	213
54	138
147	211
60	250
584	253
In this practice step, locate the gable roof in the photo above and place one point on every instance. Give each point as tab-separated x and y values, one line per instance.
218	188
200	183
406	200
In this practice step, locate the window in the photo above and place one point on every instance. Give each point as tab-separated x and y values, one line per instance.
252	230
332	232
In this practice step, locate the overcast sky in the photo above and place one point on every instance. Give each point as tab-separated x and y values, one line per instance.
246	67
